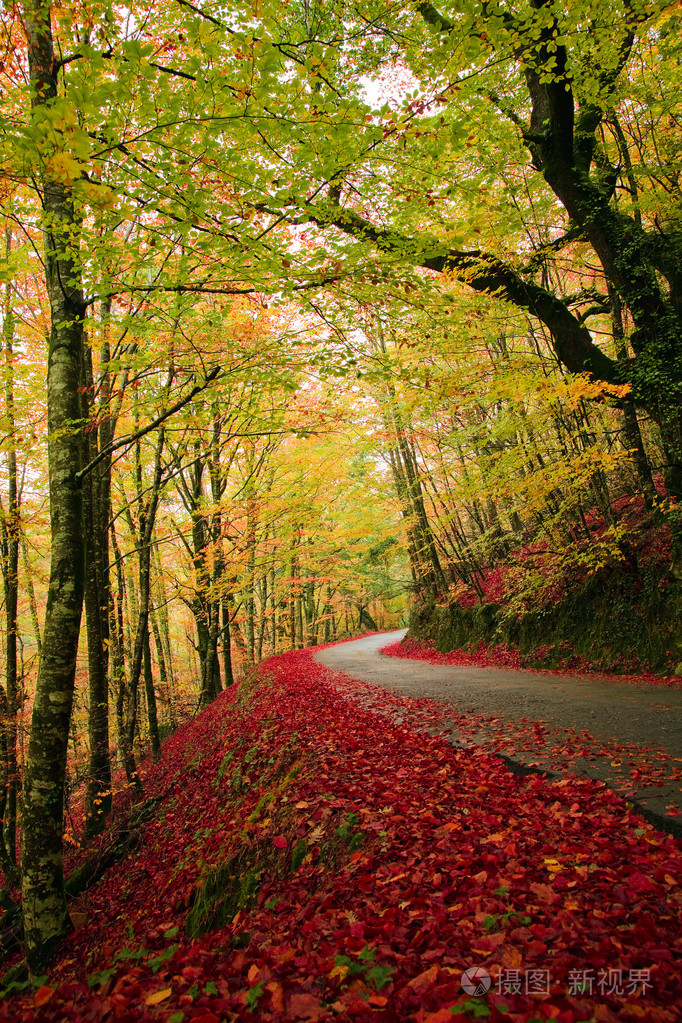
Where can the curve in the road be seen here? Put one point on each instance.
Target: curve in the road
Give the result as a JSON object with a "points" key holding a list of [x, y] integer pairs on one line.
{"points": [[623, 713]]}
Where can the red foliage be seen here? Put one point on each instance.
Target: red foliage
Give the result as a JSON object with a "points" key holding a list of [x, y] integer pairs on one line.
{"points": [[488, 655], [648, 544], [485, 655], [420, 861]]}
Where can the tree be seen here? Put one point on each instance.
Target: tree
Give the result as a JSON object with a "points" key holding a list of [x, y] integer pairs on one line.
{"points": [[44, 904], [564, 87]]}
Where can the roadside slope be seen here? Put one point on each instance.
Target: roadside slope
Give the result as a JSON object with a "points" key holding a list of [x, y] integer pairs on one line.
{"points": [[311, 860], [626, 733]]}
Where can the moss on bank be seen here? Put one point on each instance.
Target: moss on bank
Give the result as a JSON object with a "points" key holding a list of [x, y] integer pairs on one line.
{"points": [[616, 622]]}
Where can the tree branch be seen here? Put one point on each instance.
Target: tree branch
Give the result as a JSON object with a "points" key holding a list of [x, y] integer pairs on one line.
{"points": [[132, 437], [486, 273]]}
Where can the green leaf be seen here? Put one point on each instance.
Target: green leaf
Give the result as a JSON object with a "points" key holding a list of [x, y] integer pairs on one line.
{"points": [[379, 976], [157, 962], [254, 995], [128, 954], [101, 977]]}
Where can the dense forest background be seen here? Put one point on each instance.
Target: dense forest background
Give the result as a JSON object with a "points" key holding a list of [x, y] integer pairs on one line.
{"points": [[310, 315]]}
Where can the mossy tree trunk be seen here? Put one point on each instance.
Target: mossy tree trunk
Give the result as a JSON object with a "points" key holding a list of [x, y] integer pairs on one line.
{"points": [[43, 899]]}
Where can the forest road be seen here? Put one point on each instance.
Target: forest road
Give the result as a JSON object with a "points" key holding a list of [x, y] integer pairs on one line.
{"points": [[627, 734]]}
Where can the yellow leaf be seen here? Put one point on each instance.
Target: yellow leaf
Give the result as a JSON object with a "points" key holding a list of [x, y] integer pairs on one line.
{"points": [[553, 865], [159, 996], [64, 167]]}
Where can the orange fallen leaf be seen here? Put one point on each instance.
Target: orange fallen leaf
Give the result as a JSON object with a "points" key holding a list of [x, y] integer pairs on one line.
{"points": [[277, 995], [424, 980], [394, 877], [42, 996]]}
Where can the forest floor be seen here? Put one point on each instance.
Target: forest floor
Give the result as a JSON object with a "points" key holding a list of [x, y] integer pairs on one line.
{"points": [[317, 853], [624, 732]]}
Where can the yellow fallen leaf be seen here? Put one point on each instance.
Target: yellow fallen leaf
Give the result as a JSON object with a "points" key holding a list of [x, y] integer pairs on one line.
{"points": [[553, 865], [159, 996]]}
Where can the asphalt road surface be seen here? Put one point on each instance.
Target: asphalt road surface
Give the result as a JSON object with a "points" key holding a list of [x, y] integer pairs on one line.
{"points": [[630, 733]]}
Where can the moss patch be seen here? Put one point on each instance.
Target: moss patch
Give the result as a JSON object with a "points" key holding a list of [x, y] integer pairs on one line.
{"points": [[617, 622]]}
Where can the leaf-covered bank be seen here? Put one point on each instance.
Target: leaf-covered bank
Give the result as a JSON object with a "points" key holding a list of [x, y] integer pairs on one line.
{"points": [[312, 860], [623, 620]]}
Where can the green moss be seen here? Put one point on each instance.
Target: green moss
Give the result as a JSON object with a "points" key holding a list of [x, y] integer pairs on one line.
{"points": [[619, 622], [223, 893], [298, 854]]}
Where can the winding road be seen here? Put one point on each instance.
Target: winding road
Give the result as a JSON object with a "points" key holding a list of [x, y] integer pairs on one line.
{"points": [[626, 734]]}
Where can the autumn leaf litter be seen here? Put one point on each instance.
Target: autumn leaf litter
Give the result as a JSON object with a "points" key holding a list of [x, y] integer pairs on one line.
{"points": [[311, 859]]}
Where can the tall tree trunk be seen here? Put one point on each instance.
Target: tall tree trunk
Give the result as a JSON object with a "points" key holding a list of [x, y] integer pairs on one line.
{"points": [[310, 613], [43, 899], [28, 575], [97, 597], [292, 601], [164, 628], [262, 621], [250, 580], [10, 574], [633, 434], [273, 623], [117, 630], [227, 645], [164, 682], [146, 529], [98, 789], [97, 513], [300, 641], [152, 714], [328, 615], [6, 862]]}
